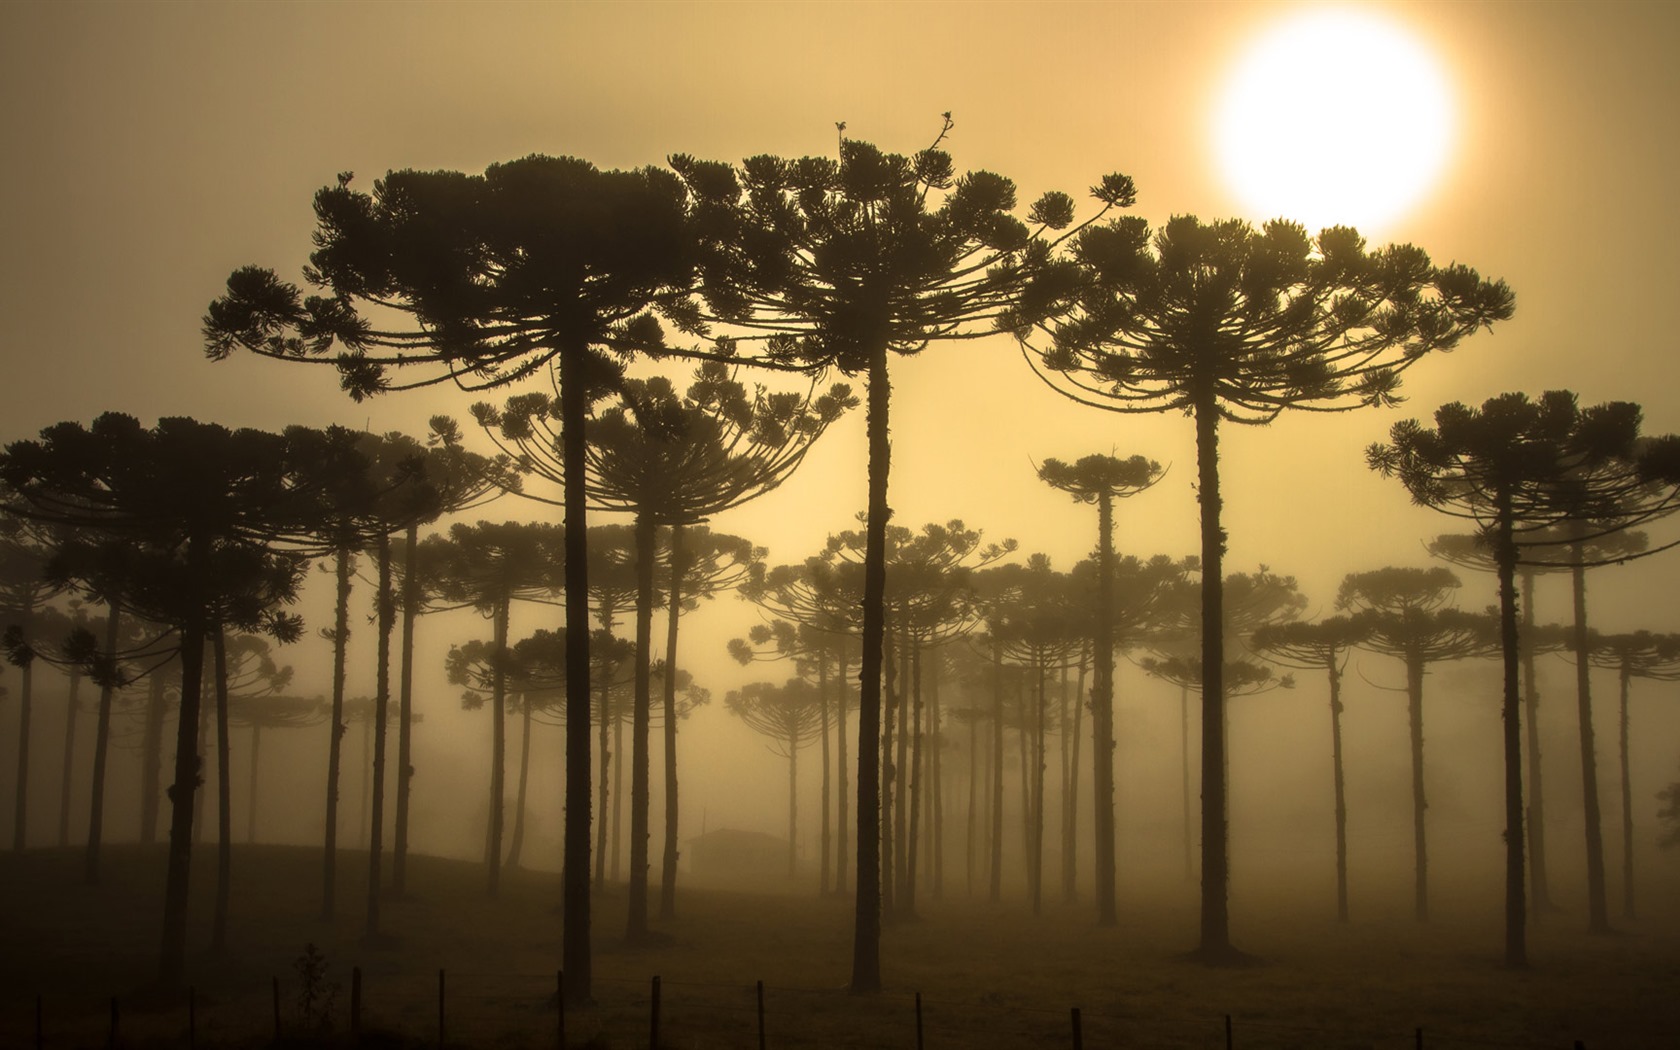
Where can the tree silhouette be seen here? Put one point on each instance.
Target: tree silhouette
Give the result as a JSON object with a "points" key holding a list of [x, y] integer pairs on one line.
{"points": [[539, 262], [459, 480], [671, 461], [270, 711], [1102, 480], [1501, 466], [841, 263], [1471, 550], [206, 500], [1225, 322], [1310, 646], [1639, 654], [488, 566], [24, 588], [1403, 613], [789, 715]]}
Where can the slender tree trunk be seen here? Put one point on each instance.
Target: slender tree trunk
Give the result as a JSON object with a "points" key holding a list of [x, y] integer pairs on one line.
{"points": [[224, 797], [101, 746], [251, 795], [995, 887], [1102, 716], [26, 703], [889, 781], [973, 793], [1341, 793], [1598, 908], [1039, 766], [636, 926], [1516, 909], [341, 641], [907, 906], [72, 708], [1541, 894], [1071, 877], [866, 940], [608, 721], [385, 605], [367, 773], [793, 802], [576, 958], [151, 757], [405, 710], [936, 776], [516, 844], [206, 706], [498, 743], [1216, 918], [1184, 776], [188, 778], [668, 867], [1420, 843], [827, 831], [1627, 802], [615, 852], [903, 698], [844, 787]]}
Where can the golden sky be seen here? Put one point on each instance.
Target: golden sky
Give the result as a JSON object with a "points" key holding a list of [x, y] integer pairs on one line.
{"points": [[151, 148]]}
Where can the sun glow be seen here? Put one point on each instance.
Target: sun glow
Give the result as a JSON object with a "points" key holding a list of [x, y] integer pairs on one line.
{"points": [[1334, 117]]}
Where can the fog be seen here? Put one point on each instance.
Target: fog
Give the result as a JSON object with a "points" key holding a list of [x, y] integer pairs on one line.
{"points": [[154, 148]]}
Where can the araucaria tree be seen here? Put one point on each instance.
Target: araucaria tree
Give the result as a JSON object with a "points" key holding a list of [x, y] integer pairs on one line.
{"points": [[1228, 323], [1101, 480], [1323, 644], [538, 261], [1405, 614], [1501, 466], [843, 263], [203, 503], [671, 460]]}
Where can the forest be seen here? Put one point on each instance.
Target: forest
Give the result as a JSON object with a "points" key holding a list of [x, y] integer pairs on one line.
{"points": [[637, 354]]}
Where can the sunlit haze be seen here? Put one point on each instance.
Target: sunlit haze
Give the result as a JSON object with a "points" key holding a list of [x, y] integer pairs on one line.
{"points": [[152, 148]]}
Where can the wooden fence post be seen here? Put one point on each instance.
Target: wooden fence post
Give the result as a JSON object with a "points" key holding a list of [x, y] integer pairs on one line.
{"points": [[560, 1008], [761, 1045], [276, 1007], [1078, 1036], [1229, 1044], [918, 1021], [38, 1033], [440, 1009], [1420, 1039], [192, 1017], [111, 1039]]}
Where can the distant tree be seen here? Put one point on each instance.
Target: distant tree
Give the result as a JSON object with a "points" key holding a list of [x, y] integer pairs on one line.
{"points": [[1227, 323], [790, 715], [460, 481], [842, 263], [1101, 480], [1403, 613], [24, 590], [671, 461], [1472, 550], [540, 262], [1311, 646], [488, 566], [1500, 466], [270, 710], [1639, 654], [205, 501]]}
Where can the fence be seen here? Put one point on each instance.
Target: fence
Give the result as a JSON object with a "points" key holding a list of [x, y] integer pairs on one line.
{"points": [[459, 1011]]}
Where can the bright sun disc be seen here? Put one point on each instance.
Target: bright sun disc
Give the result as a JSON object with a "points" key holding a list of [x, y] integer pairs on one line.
{"points": [[1334, 117]]}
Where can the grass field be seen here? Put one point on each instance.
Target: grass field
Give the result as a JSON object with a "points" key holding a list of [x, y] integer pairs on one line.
{"points": [[988, 976]]}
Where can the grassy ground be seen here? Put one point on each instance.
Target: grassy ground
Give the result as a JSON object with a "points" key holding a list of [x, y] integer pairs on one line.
{"points": [[988, 976]]}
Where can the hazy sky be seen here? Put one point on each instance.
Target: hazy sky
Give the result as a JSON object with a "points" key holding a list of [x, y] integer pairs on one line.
{"points": [[151, 148]]}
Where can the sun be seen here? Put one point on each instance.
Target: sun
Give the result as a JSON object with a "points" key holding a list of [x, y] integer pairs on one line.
{"points": [[1334, 117]]}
